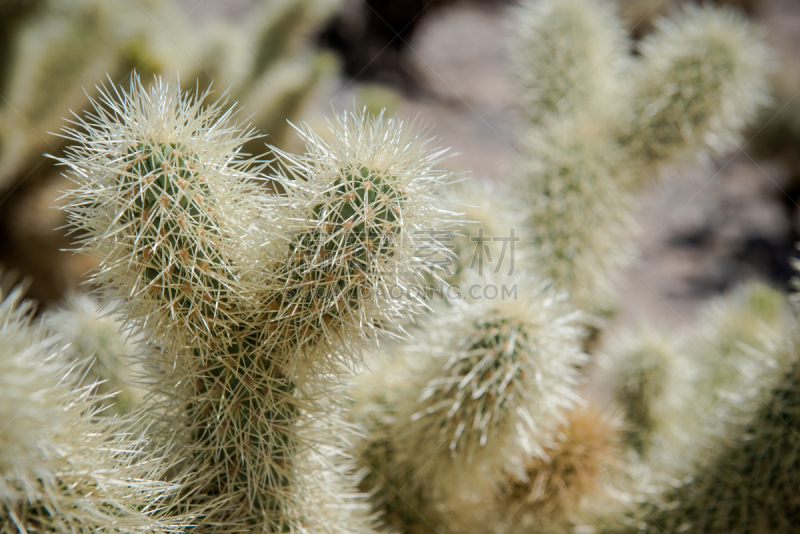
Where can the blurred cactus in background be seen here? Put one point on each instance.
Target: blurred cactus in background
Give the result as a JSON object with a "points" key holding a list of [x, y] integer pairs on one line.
{"points": [[700, 78], [651, 382], [64, 465], [62, 48], [568, 56], [680, 393], [353, 339], [579, 213], [742, 476], [96, 337]]}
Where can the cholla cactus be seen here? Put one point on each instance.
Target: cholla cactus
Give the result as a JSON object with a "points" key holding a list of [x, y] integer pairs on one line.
{"points": [[568, 55], [579, 215], [254, 307], [483, 383], [357, 219], [247, 297], [488, 241], [749, 483], [160, 173], [700, 79], [731, 472], [94, 336], [64, 467], [53, 56], [577, 480], [750, 319], [652, 382]]}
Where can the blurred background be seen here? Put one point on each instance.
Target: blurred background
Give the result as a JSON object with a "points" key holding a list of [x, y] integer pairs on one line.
{"points": [[441, 61]]}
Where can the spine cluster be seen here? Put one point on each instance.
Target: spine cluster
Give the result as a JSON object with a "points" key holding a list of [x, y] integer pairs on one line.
{"points": [[244, 338]]}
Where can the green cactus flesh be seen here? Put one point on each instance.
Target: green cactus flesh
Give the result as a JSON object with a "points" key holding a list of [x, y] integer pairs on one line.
{"points": [[167, 191], [326, 276], [226, 413]]}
